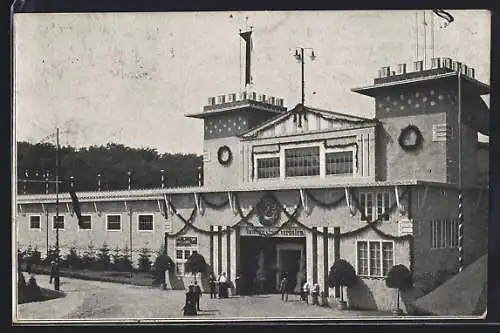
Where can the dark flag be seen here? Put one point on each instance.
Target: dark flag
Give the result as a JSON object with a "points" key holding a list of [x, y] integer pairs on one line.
{"points": [[248, 40], [76, 204], [444, 15]]}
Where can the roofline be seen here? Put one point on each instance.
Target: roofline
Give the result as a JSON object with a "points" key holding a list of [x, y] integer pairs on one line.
{"points": [[159, 193], [483, 88], [258, 106]]}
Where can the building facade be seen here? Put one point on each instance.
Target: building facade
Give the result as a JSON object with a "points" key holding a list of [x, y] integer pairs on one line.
{"points": [[295, 190]]}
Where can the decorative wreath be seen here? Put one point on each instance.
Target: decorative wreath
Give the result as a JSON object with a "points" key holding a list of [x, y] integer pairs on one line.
{"points": [[405, 136], [268, 211], [224, 160]]}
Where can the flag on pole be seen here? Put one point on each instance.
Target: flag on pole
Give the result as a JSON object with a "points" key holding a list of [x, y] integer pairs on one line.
{"points": [[444, 15], [76, 203], [247, 37]]}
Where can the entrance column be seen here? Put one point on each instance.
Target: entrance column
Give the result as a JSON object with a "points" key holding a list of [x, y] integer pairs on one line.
{"points": [[319, 258], [215, 241], [233, 254], [309, 256], [331, 254], [224, 253]]}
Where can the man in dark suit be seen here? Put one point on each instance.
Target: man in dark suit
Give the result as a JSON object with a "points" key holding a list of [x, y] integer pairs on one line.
{"points": [[197, 295]]}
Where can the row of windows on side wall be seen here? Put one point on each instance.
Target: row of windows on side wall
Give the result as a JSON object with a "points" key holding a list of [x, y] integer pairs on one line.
{"points": [[306, 162], [113, 222]]}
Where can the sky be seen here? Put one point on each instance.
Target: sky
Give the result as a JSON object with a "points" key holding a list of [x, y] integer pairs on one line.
{"points": [[131, 78]]}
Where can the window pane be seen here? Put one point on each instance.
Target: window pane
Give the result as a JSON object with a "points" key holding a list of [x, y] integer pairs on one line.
{"points": [[438, 234], [362, 202], [369, 206], [375, 259], [85, 223], [446, 233], [387, 257], [339, 162], [302, 161], [35, 222], [114, 222], [60, 222], [362, 258], [178, 254], [268, 167], [145, 222], [187, 254]]}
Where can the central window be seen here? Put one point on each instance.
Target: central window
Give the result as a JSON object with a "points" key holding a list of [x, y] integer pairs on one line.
{"points": [[58, 222], [145, 223], [268, 167], [373, 209], [114, 222], [35, 221], [85, 223], [339, 163], [302, 161], [375, 258]]}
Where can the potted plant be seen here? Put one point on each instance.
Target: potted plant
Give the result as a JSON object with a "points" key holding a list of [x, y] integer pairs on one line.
{"points": [[195, 264], [341, 274], [162, 265], [399, 277]]}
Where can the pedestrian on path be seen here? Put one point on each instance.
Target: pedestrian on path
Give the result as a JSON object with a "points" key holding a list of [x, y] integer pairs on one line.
{"points": [[52, 271], [189, 305], [284, 287], [305, 292], [197, 295], [315, 294], [211, 285], [223, 286]]}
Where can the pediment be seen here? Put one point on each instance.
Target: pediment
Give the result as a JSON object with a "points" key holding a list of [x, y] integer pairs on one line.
{"points": [[313, 120]]}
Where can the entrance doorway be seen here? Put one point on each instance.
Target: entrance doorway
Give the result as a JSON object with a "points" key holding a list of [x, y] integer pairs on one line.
{"points": [[263, 260]]}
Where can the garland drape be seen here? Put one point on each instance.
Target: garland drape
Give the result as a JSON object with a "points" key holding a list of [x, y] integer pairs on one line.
{"points": [[291, 219]]}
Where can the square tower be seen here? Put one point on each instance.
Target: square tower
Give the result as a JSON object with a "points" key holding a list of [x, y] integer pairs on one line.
{"points": [[225, 117], [418, 112]]}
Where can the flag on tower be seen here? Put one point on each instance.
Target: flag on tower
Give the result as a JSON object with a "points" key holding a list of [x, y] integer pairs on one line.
{"points": [[76, 203], [444, 15], [247, 37]]}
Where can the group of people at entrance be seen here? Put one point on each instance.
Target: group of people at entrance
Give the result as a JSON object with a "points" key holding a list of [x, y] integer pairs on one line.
{"points": [[306, 291], [218, 287]]}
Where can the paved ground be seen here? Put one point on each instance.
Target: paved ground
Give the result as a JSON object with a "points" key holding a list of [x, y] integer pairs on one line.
{"points": [[104, 300]]}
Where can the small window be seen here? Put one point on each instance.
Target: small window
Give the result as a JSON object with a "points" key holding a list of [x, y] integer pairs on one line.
{"points": [[86, 222], [339, 163], [145, 222], [302, 161], [60, 222], [187, 254], [268, 167], [178, 254], [114, 222], [35, 222]]}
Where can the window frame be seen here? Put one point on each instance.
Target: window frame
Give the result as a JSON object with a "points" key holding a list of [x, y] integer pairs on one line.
{"points": [[369, 259], [39, 222], [152, 222], [107, 221], [375, 205], [352, 150], [448, 233], [191, 248], [259, 156], [54, 219], [89, 229], [298, 147]]}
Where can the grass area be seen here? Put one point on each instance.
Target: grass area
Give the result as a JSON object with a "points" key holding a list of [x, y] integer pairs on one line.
{"points": [[135, 278]]}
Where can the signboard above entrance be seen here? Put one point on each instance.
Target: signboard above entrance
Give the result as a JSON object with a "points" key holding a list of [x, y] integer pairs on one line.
{"points": [[272, 231]]}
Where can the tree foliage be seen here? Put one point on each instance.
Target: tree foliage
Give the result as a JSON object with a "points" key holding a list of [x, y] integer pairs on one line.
{"points": [[399, 277], [111, 161], [341, 273], [195, 264]]}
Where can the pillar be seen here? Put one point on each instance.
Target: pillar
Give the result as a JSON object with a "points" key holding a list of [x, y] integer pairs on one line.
{"points": [[215, 255], [319, 258], [331, 254], [309, 257]]}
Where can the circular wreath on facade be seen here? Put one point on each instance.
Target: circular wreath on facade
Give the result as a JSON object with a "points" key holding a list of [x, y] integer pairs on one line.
{"points": [[410, 138], [268, 211], [224, 155]]}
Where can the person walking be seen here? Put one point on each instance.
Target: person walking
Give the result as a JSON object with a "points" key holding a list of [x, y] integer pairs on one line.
{"points": [[223, 286], [315, 294], [197, 295], [52, 271], [211, 285], [305, 292], [189, 305], [284, 288]]}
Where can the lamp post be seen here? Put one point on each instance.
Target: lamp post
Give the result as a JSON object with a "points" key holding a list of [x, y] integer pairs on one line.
{"points": [[299, 56], [56, 278]]}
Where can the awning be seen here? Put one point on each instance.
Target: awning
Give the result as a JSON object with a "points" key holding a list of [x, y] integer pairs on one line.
{"points": [[462, 295]]}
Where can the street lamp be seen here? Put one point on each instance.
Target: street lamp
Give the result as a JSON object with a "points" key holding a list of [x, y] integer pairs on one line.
{"points": [[299, 56]]}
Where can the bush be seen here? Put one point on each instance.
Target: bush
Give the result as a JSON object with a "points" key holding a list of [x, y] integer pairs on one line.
{"points": [[103, 258], [73, 260], [162, 263], [144, 261], [399, 277], [342, 274], [195, 264], [36, 257], [88, 257], [124, 263], [51, 256]]}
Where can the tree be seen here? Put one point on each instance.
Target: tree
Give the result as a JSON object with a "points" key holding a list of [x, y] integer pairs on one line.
{"points": [[162, 263], [144, 261], [341, 274], [103, 257], [399, 277], [195, 264]]}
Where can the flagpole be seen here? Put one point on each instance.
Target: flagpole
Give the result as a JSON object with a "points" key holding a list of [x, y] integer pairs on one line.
{"points": [[56, 278], [416, 26], [460, 189], [425, 42]]}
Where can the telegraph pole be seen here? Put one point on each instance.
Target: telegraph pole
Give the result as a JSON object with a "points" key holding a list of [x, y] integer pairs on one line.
{"points": [[56, 278]]}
